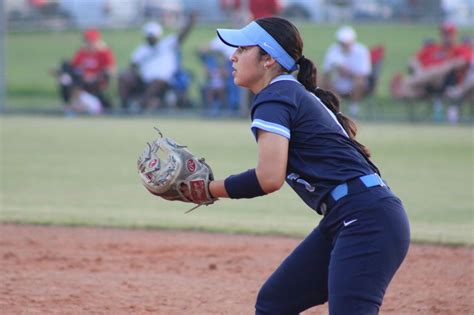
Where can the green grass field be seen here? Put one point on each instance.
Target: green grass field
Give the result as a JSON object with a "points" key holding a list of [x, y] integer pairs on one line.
{"points": [[30, 55], [83, 171]]}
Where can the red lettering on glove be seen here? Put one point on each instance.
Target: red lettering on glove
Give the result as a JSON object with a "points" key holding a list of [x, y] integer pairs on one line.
{"points": [[198, 190]]}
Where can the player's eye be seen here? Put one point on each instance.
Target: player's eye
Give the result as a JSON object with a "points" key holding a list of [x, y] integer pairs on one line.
{"points": [[241, 49]]}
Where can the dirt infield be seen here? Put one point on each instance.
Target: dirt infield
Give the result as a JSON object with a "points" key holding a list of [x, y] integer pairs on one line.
{"points": [[63, 270]]}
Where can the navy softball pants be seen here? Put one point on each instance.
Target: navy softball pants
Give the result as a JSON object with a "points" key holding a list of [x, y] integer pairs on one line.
{"points": [[348, 260]]}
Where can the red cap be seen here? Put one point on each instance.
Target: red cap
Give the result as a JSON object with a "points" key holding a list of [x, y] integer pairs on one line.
{"points": [[448, 28], [91, 35]]}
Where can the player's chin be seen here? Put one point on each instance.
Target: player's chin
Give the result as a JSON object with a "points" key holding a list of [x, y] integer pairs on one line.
{"points": [[238, 80]]}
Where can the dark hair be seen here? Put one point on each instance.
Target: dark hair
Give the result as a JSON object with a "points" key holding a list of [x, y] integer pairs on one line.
{"points": [[288, 36]]}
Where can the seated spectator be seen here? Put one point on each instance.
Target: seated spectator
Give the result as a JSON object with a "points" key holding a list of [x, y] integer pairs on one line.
{"points": [[153, 67], [89, 70], [347, 67], [463, 90], [213, 90], [434, 68], [83, 102], [219, 90]]}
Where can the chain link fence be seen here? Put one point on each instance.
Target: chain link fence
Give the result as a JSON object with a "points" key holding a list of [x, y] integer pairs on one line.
{"points": [[66, 14]]}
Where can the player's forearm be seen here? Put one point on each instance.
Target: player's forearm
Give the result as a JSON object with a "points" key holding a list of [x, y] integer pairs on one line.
{"points": [[244, 188], [217, 189], [238, 186]]}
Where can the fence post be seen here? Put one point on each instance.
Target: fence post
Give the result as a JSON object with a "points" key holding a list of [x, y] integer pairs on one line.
{"points": [[2, 56]]}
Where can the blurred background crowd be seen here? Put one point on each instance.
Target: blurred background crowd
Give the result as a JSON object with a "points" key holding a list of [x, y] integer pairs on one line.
{"points": [[153, 76]]}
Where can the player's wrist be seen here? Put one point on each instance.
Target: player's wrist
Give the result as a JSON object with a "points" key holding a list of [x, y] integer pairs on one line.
{"points": [[243, 185], [217, 189], [210, 190]]}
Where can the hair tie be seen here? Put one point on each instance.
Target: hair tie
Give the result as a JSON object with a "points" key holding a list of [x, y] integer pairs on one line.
{"points": [[338, 113], [300, 59]]}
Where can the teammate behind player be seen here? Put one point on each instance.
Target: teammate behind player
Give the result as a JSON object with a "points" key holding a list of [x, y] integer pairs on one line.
{"points": [[303, 138]]}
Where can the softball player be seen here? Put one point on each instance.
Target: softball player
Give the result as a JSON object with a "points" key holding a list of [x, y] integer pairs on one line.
{"points": [[303, 138]]}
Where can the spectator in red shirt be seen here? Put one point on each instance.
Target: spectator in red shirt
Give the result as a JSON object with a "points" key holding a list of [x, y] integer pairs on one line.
{"points": [[434, 67], [257, 8], [89, 70], [263, 8]]}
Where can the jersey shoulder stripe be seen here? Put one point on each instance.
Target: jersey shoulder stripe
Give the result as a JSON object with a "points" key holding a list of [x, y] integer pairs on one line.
{"points": [[271, 127]]}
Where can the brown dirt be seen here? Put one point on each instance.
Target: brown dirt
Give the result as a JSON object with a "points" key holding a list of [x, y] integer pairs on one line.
{"points": [[52, 270]]}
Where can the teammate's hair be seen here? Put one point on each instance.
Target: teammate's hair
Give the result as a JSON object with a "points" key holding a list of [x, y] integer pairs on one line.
{"points": [[288, 36]]}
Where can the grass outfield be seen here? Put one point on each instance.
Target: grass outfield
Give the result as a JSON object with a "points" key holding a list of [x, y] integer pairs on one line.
{"points": [[83, 172]]}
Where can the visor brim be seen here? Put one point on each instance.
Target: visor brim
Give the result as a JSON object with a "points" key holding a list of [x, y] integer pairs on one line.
{"points": [[234, 38]]}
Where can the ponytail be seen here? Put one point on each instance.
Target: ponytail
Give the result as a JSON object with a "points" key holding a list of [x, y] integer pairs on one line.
{"points": [[307, 75]]}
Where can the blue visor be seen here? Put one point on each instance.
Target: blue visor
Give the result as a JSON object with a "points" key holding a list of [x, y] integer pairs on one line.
{"points": [[254, 35]]}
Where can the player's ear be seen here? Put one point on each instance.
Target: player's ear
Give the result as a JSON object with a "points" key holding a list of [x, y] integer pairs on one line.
{"points": [[268, 61]]}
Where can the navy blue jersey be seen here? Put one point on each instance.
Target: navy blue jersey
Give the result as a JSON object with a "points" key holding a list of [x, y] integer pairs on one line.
{"points": [[321, 155]]}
